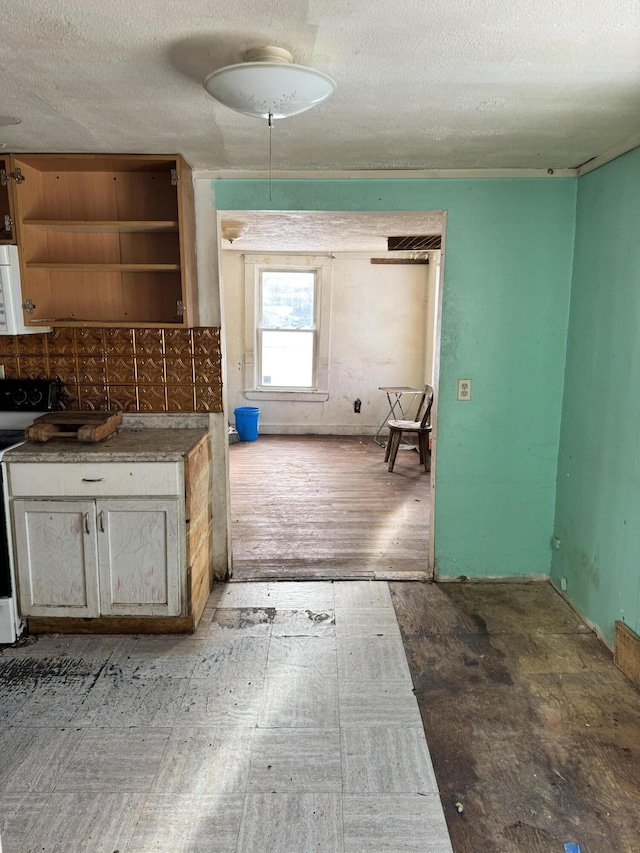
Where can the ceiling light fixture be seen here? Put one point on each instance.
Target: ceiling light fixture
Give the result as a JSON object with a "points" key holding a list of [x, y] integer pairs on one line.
{"points": [[233, 231], [269, 85]]}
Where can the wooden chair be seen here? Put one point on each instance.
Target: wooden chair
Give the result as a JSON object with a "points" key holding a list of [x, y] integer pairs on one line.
{"points": [[421, 427]]}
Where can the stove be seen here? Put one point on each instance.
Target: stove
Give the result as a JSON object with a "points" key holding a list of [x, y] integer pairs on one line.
{"points": [[21, 400]]}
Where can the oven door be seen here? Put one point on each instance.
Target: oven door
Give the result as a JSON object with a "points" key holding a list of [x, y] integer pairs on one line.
{"points": [[10, 624]]}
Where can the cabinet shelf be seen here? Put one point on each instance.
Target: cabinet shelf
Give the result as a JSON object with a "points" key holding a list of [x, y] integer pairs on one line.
{"points": [[79, 226], [106, 239], [104, 267]]}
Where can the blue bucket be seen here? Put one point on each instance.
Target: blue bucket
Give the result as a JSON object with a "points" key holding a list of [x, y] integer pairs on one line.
{"points": [[247, 422]]}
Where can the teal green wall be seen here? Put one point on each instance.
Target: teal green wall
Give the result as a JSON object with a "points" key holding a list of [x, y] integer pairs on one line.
{"points": [[506, 297], [598, 496]]}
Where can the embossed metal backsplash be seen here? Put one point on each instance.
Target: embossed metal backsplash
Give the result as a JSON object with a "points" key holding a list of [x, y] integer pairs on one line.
{"points": [[134, 370]]}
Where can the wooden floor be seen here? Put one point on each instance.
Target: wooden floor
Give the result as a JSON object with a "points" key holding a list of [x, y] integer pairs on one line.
{"points": [[325, 507], [531, 727]]}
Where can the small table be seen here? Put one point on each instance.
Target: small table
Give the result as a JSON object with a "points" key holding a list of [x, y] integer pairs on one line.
{"points": [[394, 396]]}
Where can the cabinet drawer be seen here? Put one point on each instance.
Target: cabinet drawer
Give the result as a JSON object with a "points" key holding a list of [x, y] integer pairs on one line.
{"points": [[79, 479]]}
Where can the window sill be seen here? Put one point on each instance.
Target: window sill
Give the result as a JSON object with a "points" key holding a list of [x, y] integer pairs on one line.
{"points": [[289, 396]]}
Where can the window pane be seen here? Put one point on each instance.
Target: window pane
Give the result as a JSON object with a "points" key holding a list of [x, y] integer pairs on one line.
{"points": [[287, 300], [287, 359]]}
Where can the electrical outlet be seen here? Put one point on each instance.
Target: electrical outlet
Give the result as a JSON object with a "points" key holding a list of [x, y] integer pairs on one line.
{"points": [[464, 389], [1, 371]]}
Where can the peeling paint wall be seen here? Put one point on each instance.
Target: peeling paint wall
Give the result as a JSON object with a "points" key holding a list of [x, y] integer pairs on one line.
{"points": [[507, 277], [381, 321], [598, 496]]}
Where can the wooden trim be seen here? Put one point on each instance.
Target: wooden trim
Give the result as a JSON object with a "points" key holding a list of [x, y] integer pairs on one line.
{"points": [[626, 652], [187, 226], [37, 265], [113, 625], [197, 476], [101, 324], [608, 155], [96, 162], [380, 174], [103, 226]]}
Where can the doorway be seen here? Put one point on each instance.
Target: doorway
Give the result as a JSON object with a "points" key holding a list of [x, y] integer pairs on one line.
{"points": [[312, 498]]}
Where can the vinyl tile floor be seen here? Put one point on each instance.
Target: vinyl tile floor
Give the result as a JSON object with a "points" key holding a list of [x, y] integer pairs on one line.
{"points": [[287, 724]]}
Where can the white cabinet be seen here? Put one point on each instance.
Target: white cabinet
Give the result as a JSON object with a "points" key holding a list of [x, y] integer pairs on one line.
{"points": [[57, 565], [89, 556], [138, 557]]}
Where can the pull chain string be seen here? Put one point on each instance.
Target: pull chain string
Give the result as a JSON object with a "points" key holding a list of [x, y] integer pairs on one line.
{"points": [[270, 129]]}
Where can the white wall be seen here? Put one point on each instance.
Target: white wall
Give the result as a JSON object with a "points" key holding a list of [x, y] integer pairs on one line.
{"points": [[211, 313], [382, 320]]}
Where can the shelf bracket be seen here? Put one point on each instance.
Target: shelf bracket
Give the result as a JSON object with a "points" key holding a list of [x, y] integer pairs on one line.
{"points": [[28, 306], [175, 177]]}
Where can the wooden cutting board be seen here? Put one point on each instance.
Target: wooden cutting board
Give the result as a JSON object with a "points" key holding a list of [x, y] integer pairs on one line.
{"points": [[77, 426]]}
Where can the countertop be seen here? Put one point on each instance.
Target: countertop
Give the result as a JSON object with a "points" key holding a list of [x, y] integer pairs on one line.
{"points": [[127, 445]]}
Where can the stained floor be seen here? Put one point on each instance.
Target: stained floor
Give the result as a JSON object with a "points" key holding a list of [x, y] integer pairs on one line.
{"points": [[326, 507], [530, 725], [287, 723]]}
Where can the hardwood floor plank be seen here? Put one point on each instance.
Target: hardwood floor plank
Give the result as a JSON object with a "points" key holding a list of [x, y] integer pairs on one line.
{"points": [[326, 507]]}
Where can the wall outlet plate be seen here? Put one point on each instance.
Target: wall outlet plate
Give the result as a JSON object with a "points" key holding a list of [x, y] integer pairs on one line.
{"points": [[464, 389]]}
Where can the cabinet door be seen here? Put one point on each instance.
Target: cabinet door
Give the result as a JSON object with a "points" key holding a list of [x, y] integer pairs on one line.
{"points": [[56, 557], [139, 557], [7, 219]]}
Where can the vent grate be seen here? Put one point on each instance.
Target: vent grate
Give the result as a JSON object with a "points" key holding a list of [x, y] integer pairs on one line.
{"points": [[414, 243]]}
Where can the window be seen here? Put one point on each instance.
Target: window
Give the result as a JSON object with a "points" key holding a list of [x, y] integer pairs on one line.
{"points": [[287, 329], [286, 338]]}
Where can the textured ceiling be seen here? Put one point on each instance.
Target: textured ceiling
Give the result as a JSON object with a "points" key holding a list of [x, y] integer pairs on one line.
{"points": [[449, 84], [306, 231]]}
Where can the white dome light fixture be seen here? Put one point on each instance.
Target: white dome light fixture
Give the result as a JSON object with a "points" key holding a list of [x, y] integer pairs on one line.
{"points": [[269, 85], [232, 230]]}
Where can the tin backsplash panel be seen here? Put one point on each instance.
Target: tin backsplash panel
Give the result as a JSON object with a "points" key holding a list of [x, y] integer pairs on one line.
{"points": [[133, 370]]}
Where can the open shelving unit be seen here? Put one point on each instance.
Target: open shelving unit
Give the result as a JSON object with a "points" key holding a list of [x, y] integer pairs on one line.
{"points": [[105, 240]]}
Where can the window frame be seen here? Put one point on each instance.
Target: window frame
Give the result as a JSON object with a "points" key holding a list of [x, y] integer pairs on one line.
{"points": [[260, 329], [255, 265]]}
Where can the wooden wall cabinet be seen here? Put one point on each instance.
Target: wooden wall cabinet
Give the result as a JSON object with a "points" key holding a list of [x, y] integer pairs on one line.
{"points": [[105, 240]]}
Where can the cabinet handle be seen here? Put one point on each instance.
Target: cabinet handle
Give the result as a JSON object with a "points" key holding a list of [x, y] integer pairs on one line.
{"points": [[101, 520], [92, 479], [86, 522]]}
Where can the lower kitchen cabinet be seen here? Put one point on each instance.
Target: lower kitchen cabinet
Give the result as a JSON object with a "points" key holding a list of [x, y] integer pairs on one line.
{"points": [[113, 539], [98, 558], [139, 557], [57, 557]]}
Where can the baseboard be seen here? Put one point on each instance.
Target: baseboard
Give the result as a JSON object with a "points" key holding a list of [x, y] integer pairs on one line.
{"points": [[591, 625], [491, 579], [364, 431], [626, 652], [422, 577], [111, 625]]}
